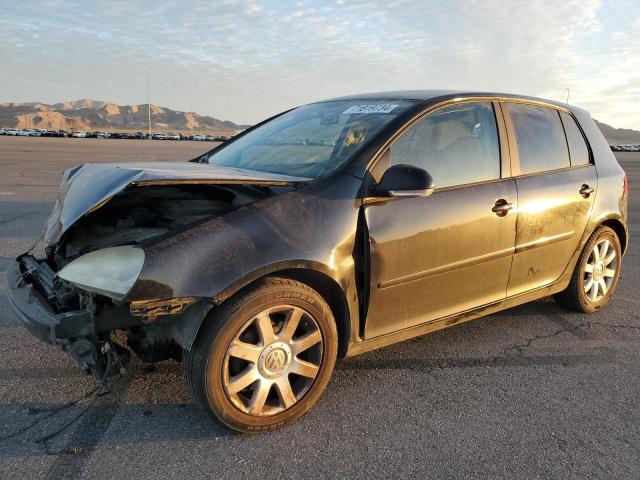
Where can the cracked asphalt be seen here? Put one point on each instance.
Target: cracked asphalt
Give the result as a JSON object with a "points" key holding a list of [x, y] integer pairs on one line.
{"points": [[531, 392]]}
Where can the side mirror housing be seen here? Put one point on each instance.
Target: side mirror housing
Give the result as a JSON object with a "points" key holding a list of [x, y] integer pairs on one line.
{"points": [[404, 181]]}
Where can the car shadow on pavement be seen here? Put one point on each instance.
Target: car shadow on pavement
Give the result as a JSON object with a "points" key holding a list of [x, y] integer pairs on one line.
{"points": [[94, 417]]}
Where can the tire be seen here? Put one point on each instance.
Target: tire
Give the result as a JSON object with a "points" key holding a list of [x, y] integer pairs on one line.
{"points": [[578, 296], [235, 345]]}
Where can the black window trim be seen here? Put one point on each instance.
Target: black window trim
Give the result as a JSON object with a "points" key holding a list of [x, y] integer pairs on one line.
{"points": [[513, 145], [503, 145], [584, 138]]}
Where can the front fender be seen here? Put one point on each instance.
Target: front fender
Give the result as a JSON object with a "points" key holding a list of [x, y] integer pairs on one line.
{"points": [[273, 268], [313, 227]]}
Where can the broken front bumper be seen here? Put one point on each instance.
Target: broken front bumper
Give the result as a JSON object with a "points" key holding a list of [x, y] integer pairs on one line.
{"points": [[33, 310]]}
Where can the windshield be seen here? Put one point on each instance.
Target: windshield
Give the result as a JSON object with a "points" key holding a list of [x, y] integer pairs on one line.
{"points": [[312, 140]]}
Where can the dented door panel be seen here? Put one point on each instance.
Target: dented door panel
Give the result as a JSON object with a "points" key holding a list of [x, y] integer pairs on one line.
{"points": [[552, 217]]}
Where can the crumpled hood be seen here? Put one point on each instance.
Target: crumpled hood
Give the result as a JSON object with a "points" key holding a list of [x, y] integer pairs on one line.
{"points": [[87, 187]]}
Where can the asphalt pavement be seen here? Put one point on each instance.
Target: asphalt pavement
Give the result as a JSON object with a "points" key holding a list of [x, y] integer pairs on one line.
{"points": [[532, 392]]}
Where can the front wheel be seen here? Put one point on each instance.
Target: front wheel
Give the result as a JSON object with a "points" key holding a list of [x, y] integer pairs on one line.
{"points": [[265, 357], [596, 274]]}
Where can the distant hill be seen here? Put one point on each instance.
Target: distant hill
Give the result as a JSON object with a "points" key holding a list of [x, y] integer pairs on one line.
{"points": [[88, 114], [619, 136]]}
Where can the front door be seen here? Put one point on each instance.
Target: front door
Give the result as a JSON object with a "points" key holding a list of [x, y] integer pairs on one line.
{"points": [[450, 252]]}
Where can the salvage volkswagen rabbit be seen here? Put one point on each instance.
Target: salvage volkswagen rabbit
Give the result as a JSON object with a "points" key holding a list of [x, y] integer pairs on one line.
{"points": [[326, 231]]}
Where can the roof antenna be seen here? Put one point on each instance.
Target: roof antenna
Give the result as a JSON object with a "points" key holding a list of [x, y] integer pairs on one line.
{"points": [[568, 90]]}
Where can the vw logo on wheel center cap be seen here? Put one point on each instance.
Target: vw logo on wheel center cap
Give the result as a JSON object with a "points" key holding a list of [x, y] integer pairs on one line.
{"points": [[274, 359], [598, 271]]}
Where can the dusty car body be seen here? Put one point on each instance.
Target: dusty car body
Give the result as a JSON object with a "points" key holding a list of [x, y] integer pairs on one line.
{"points": [[390, 264]]}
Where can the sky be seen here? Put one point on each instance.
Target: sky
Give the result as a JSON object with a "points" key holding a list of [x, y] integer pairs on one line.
{"points": [[245, 61]]}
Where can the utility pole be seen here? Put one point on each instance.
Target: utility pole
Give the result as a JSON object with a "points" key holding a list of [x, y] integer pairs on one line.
{"points": [[149, 104], [568, 90], [191, 112]]}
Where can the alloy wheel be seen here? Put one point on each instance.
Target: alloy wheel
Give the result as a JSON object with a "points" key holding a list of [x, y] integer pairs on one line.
{"points": [[272, 361], [600, 270]]}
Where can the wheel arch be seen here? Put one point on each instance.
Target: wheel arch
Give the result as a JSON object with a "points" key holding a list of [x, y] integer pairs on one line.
{"points": [[313, 274], [613, 220], [333, 294], [617, 226]]}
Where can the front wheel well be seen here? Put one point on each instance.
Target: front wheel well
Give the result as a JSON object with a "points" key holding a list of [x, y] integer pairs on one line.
{"points": [[322, 283], [618, 227], [332, 293]]}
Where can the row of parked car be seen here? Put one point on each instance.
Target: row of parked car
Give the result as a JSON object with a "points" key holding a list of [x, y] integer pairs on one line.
{"points": [[36, 132], [625, 148]]}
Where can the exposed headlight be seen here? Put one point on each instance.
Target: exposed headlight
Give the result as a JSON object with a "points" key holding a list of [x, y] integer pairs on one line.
{"points": [[110, 271]]}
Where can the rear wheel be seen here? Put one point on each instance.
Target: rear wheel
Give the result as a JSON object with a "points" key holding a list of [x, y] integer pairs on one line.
{"points": [[265, 357], [596, 274]]}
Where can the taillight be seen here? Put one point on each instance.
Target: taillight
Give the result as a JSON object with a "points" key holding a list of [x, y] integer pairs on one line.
{"points": [[625, 188]]}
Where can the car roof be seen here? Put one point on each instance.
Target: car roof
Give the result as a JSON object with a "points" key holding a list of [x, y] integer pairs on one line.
{"points": [[436, 96]]}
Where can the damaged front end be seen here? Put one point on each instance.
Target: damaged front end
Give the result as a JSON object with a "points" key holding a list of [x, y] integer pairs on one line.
{"points": [[57, 313], [75, 297]]}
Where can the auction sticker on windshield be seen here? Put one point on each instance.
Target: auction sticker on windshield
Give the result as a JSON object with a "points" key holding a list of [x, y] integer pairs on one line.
{"points": [[376, 108]]}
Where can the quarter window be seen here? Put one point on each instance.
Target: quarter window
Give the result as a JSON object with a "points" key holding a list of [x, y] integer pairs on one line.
{"points": [[542, 145], [456, 145], [578, 149]]}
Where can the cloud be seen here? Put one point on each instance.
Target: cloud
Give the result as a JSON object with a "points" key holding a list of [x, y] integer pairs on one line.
{"points": [[247, 60], [252, 9]]}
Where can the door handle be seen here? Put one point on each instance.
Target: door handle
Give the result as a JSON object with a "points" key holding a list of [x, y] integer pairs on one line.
{"points": [[502, 207], [586, 190]]}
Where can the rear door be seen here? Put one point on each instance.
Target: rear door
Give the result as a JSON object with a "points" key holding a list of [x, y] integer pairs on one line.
{"points": [[451, 251], [556, 183]]}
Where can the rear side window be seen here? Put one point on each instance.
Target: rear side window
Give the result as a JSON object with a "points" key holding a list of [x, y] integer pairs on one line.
{"points": [[578, 149], [456, 145], [542, 145]]}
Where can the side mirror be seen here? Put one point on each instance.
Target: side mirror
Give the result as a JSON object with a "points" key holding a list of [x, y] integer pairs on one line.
{"points": [[404, 181]]}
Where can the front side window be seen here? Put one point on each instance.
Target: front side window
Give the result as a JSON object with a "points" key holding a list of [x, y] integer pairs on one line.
{"points": [[456, 145], [312, 140], [542, 145], [578, 149]]}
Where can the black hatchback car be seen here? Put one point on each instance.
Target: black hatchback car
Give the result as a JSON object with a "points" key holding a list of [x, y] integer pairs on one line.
{"points": [[326, 231]]}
